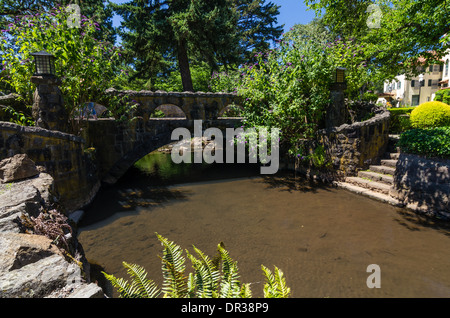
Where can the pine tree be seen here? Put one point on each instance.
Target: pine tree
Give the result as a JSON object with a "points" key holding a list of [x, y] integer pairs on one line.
{"points": [[161, 35]]}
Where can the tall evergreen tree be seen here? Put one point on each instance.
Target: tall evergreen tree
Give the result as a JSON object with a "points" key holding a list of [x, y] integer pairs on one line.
{"points": [[257, 25], [158, 34]]}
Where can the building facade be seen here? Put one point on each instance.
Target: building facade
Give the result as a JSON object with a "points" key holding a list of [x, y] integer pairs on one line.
{"points": [[414, 91]]}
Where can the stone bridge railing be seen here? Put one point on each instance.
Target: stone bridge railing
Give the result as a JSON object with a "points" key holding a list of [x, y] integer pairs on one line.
{"points": [[195, 105]]}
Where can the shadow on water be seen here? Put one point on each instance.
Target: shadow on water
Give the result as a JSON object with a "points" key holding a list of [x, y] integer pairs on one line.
{"points": [[291, 182], [414, 221], [150, 183]]}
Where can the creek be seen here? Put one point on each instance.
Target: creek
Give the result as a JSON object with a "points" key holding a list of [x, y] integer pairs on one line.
{"points": [[321, 237]]}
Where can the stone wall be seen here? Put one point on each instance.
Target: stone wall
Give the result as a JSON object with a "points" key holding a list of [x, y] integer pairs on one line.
{"points": [[354, 147], [424, 182], [59, 154]]}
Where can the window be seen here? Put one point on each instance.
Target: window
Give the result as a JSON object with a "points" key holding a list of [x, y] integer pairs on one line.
{"points": [[415, 100], [399, 85], [431, 68], [429, 82], [422, 83], [446, 67], [413, 82]]}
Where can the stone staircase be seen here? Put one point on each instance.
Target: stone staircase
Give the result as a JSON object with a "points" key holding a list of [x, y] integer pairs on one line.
{"points": [[377, 181]]}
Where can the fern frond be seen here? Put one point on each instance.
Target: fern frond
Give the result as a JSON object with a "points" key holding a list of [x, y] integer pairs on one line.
{"points": [[175, 285], [123, 287], [245, 292], [146, 288], [230, 284], [275, 286], [207, 275]]}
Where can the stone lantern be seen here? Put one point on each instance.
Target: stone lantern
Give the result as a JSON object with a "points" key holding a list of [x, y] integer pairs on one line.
{"points": [[48, 105], [336, 113]]}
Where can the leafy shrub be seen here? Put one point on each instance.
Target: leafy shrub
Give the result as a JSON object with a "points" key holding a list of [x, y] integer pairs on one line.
{"points": [[212, 278], [430, 115], [87, 66], [443, 95], [399, 121], [433, 142]]}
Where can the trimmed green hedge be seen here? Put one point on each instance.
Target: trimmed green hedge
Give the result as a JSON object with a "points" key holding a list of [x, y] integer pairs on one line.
{"points": [[430, 115], [432, 142], [402, 110]]}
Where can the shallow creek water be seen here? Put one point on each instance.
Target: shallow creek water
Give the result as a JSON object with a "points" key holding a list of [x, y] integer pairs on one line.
{"points": [[322, 238]]}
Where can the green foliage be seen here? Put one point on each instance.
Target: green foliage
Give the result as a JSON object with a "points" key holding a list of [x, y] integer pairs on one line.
{"points": [[216, 277], [214, 34], [86, 65], [443, 95], [406, 30], [430, 115], [276, 284], [402, 110], [157, 114], [285, 86], [432, 142], [140, 287], [399, 121]]}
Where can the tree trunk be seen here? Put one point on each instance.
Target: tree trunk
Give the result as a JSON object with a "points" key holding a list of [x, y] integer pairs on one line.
{"points": [[183, 62]]}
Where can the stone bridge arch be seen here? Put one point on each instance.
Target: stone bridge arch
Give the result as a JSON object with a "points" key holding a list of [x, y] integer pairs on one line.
{"points": [[119, 145], [171, 111]]}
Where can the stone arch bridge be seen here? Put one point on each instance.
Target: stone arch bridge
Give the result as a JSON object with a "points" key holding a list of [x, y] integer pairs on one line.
{"points": [[118, 145], [107, 148]]}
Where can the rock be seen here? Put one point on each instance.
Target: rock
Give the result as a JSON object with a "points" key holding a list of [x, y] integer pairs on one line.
{"points": [[16, 168], [31, 266], [27, 197]]}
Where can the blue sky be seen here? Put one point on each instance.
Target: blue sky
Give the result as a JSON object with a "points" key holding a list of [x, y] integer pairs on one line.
{"points": [[291, 12]]}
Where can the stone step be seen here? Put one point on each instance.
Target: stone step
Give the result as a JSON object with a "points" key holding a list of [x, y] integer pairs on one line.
{"points": [[376, 186], [369, 193], [389, 162], [382, 169], [374, 176]]}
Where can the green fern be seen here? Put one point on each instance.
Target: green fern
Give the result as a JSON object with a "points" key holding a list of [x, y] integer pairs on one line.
{"points": [[175, 281], [206, 275], [275, 286], [216, 277], [141, 287]]}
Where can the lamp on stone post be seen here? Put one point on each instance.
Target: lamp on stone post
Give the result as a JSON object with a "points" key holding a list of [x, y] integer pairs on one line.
{"points": [[48, 105], [336, 113]]}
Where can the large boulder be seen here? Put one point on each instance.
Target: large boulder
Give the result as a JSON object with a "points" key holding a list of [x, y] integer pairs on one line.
{"points": [[18, 167], [31, 266], [24, 198]]}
